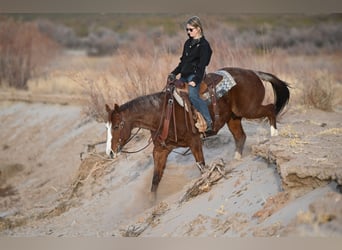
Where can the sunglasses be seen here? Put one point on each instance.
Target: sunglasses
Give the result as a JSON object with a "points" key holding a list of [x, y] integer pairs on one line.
{"points": [[189, 29]]}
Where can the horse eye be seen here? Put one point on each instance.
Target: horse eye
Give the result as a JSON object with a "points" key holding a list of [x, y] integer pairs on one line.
{"points": [[116, 127]]}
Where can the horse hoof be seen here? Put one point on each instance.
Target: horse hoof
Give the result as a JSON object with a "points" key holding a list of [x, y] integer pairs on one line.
{"points": [[152, 197], [237, 156], [274, 131]]}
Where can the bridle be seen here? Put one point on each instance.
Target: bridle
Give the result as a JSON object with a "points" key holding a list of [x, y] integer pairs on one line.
{"points": [[120, 126]]}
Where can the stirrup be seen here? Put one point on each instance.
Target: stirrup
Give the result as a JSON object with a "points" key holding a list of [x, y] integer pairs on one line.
{"points": [[209, 133]]}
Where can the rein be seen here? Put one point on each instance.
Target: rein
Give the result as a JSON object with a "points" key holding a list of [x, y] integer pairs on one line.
{"points": [[136, 151]]}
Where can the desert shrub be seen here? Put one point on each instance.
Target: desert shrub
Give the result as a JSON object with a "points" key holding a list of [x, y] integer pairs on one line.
{"points": [[23, 49], [102, 41], [319, 94], [133, 73], [60, 33], [307, 40], [98, 93]]}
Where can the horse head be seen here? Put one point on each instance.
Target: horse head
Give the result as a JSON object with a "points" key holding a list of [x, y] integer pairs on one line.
{"points": [[118, 131]]}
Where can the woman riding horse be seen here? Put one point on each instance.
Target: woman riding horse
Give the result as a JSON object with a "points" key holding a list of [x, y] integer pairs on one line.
{"points": [[195, 57]]}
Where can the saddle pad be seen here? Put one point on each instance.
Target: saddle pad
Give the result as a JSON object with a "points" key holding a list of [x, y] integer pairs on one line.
{"points": [[224, 85], [179, 99]]}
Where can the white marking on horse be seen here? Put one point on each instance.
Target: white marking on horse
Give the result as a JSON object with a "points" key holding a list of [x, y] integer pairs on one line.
{"points": [[274, 131], [237, 156], [269, 94], [109, 138]]}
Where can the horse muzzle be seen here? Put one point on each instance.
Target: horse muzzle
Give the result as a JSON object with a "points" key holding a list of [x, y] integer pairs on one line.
{"points": [[113, 154]]}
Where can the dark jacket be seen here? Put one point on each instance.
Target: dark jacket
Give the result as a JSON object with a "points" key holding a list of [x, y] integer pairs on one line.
{"points": [[195, 57]]}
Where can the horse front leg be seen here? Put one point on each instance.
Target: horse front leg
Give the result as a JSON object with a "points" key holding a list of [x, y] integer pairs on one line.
{"points": [[235, 127], [160, 155], [197, 151]]}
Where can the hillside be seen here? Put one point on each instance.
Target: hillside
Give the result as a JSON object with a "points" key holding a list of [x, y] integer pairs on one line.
{"points": [[53, 183]]}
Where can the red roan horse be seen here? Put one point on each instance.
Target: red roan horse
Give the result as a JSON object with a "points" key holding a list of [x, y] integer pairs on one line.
{"points": [[244, 100]]}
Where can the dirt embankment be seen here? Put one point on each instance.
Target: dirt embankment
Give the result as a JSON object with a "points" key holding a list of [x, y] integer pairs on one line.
{"points": [[50, 184]]}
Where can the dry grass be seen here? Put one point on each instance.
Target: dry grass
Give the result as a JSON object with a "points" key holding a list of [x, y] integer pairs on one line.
{"points": [[331, 131], [320, 97], [129, 74], [132, 75], [320, 94], [23, 50]]}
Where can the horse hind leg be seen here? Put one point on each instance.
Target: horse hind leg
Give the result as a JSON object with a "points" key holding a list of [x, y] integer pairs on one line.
{"points": [[274, 131], [269, 110], [235, 127]]}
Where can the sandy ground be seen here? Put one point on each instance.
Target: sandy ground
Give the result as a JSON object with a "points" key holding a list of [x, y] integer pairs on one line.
{"points": [[52, 183]]}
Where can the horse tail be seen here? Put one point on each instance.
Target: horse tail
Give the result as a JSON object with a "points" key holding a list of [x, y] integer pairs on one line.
{"points": [[280, 90]]}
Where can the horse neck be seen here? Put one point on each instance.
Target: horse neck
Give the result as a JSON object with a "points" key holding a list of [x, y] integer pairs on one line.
{"points": [[143, 112]]}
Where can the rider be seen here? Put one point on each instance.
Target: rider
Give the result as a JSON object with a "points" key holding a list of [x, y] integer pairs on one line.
{"points": [[195, 57]]}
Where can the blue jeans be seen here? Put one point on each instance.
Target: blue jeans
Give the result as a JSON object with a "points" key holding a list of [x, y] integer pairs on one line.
{"points": [[196, 100]]}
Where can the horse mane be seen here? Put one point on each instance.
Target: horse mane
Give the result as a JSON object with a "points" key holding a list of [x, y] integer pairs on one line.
{"points": [[150, 101]]}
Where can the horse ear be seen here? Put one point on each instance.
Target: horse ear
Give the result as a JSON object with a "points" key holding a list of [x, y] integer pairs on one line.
{"points": [[107, 108], [116, 107]]}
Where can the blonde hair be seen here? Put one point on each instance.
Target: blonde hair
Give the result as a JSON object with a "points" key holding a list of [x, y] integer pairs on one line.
{"points": [[195, 21]]}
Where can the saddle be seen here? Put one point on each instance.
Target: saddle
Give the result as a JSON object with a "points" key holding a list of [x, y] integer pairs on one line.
{"points": [[209, 83], [179, 90], [207, 90]]}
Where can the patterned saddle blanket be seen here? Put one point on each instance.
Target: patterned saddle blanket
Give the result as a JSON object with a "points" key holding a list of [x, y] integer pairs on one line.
{"points": [[221, 80]]}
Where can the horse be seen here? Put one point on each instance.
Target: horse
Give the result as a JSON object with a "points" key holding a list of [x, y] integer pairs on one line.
{"points": [[244, 100]]}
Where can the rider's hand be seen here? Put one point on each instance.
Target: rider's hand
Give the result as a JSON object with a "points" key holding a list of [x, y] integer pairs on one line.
{"points": [[192, 83]]}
